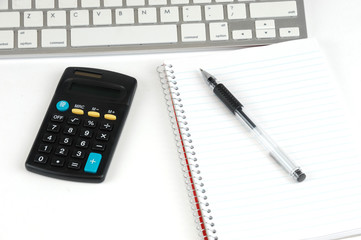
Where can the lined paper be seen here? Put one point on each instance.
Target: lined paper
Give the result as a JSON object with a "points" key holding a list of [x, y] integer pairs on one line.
{"points": [[287, 89]]}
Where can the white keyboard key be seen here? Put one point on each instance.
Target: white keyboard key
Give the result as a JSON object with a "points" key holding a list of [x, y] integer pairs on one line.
{"points": [[4, 5], [218, 31], [43, 4], [214, 12], [192, 13], [90, 3], [68, 3], [202, 1], [6, 39], [102, 17], [123, 35], [79, 17], [273, 9], [237, 11], [290, 32], [266, 33], [147, 15], [157, 2], [135, 2], [33, 19], [222, 1], [53, 38], [124, 16], [265, 24], [9, 19], [112, 3], [193, 32], [56, 18], [169, 14], [242, 34], [21, 4], [27, 39], [180, 1]]}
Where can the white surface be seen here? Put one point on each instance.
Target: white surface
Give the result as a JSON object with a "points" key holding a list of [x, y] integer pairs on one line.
{"points": [[143, 195]]}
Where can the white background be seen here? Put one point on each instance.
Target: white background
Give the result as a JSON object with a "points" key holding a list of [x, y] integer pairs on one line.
{"points": [[143, 196]]}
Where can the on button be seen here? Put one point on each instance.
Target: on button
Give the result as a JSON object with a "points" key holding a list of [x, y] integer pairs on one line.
{"points": [[62, 106]]}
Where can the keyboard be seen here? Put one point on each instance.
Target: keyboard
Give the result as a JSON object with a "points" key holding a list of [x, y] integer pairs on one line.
{"points": [[75, 27]]}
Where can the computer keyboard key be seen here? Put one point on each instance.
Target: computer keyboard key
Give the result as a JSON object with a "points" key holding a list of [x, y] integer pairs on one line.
{"points": [[135, 3], [6, 39], [236, 11], [79, 18], [124, 35], [193, 32], [21, 4], [290, 32], [90, 3], [218, 31], [273, 9], [44, 4], [53, 38], [9, 19], [33, 19], [27, 39], [68, 3], [4, 5]]}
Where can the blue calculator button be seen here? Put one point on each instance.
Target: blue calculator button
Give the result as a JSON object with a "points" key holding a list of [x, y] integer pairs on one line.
{"points": [[62, 106], [93, 162]]}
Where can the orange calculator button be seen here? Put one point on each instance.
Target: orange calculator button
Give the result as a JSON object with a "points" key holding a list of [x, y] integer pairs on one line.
{"points": [[110, 117]]}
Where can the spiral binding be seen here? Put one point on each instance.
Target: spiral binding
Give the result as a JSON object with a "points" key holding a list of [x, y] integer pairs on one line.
{"points": [[187, 154]]}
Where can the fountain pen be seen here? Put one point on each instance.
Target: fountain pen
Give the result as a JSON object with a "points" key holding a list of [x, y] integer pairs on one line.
{"points": [[237, 108]]}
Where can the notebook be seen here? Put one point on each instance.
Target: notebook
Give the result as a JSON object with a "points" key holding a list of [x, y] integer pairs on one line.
{"points": [[236, 190]]}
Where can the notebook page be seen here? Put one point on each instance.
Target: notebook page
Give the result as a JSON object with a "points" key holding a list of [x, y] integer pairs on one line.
{"points": [[286, 88]]}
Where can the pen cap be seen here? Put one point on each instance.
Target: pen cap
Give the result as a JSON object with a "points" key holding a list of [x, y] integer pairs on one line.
{"points": [[227, 98]]}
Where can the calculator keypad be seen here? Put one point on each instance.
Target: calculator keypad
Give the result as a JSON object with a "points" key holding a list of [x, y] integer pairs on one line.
{"points": [[74, 142]]}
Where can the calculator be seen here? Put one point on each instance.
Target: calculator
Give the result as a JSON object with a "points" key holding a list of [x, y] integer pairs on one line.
{"points": [[82, 125]]}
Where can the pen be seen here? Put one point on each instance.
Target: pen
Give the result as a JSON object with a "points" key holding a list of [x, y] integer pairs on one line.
{"points": [[237, 108]]}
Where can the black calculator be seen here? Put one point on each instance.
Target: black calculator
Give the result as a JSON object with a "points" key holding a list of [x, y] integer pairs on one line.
{"points": [[82, 125]]}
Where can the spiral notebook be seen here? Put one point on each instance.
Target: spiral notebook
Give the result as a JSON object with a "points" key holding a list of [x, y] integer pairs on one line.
{"points": [[236, 190]]}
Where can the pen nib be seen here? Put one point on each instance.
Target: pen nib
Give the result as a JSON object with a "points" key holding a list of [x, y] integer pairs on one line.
{"points": [[209, 78]]}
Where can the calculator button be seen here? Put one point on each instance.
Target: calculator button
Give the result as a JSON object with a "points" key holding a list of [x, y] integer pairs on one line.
{"points": [[45, 148], [69, 130], [57, 118], [66, 141], [98, 147], [62, 106], [90, 123], [106, 126], [74, 120], [103, 136], [49, 137], [93, 114], [82, 143], [86, 133], [110, 117], [77, 111], [52, 127], [40, 158], [57, 162], [61, 151], [93, 162], [78, 154], [74, 164]]}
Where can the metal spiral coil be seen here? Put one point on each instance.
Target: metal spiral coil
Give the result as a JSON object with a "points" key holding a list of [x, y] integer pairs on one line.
{"points": [[187, 154]]}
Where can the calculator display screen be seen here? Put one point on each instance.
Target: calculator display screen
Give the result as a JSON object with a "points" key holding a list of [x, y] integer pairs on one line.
{"points": [[95, 90]]}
